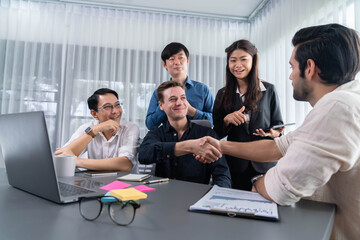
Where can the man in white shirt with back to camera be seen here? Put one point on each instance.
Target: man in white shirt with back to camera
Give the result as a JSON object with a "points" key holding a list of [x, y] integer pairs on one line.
{"points": [[320, 159], [109, 145]]}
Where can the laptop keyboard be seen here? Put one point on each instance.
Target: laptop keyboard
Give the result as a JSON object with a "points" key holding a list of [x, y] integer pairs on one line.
{"points": [[88, 183], [68, 190]]}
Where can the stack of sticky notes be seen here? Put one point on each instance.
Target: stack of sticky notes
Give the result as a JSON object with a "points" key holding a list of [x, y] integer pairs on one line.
{"points": [[128, 194]]}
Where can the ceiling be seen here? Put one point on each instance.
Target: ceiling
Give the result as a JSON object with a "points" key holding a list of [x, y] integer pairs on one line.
{"points": [[238, 9]]}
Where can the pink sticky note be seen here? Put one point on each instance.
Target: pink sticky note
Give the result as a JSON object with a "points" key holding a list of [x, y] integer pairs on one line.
{"points": [[143, 188], [115, 185]]}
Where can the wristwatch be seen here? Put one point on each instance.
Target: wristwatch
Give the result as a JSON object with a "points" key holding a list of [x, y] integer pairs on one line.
{"points": [[90, 132], [254, 179]]}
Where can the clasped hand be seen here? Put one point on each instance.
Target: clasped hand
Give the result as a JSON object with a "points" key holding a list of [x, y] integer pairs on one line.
{"points": [[207, 149], [109, 126]]}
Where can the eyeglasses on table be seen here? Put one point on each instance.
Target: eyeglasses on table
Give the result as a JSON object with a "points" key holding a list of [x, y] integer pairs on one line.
{"points": [[121, 213]]}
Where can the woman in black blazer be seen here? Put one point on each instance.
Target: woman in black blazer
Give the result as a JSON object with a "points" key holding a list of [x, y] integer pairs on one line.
{"points": [[243, 108]]}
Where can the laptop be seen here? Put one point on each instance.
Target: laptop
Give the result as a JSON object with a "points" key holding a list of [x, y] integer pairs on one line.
{"points": [[29, 161]]}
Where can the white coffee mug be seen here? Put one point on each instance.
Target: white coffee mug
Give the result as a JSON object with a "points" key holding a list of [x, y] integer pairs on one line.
{"points": [[65, 165]]}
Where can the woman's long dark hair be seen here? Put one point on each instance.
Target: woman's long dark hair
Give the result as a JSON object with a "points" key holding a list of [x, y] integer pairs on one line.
{"points": [[253, 93]]}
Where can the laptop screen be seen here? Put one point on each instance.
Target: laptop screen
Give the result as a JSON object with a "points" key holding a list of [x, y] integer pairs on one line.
{"points": [[27, 154]]}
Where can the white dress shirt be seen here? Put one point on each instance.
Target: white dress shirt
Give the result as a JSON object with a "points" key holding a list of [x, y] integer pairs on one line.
{"points": [[321, 159], [124, 143]]}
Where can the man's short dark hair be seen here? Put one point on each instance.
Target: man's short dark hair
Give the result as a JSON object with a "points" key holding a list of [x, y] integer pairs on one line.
{"points": [[93, 100], [166, 85], [335, 49], [173, 48]]}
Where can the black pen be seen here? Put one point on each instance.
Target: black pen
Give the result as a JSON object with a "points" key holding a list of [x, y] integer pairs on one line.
{"points": [[157, 181]]}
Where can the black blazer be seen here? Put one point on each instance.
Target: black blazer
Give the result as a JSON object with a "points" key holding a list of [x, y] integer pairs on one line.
{"points": [[267, 115]]}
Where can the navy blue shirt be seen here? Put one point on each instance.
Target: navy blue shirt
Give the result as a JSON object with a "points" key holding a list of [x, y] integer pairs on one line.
{"points": [[197, 94], [158, 147]]}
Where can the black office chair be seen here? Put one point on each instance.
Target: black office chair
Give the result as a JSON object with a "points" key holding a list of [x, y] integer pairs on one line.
{"points": [[202, 122], [145, 168]]}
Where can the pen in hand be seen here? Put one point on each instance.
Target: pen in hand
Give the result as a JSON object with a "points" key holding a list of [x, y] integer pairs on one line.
{"points": [[157, 181]]}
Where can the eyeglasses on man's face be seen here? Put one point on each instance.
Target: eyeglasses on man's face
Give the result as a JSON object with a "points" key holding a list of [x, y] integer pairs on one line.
{"points": [[109, 107], [121, 213]]}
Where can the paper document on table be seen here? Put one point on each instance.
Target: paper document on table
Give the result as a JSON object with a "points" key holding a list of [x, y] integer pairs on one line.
{"points": [[233, 202]]}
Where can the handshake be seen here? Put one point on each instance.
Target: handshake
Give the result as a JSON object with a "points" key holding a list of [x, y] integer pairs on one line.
{"points": [[206, 149]]}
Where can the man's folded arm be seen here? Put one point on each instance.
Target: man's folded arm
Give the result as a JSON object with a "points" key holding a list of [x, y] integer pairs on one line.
{"points": [[77, 146], [116, 163], [77, 143]]}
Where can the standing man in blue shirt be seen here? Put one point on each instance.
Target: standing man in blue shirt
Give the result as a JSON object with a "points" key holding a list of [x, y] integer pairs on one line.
{"points": [[175, 57]]}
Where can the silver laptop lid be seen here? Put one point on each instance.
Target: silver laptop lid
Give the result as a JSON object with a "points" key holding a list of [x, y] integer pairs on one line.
{"points": [[27, 154]]}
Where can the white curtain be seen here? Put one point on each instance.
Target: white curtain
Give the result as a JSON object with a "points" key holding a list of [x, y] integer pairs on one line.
{"points": [[53, 56], [272, 30]]}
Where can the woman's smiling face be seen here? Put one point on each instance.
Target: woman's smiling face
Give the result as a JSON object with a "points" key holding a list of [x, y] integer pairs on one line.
{"points": [[240, 64]]}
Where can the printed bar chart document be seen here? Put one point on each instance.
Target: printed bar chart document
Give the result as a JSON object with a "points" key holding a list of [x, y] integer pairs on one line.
{"points": [[236, 203]]}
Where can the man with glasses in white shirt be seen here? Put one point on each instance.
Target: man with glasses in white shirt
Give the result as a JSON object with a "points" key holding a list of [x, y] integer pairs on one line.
{"points": [[104, 143]]}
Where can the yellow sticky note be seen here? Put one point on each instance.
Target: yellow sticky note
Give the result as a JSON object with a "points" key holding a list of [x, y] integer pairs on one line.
{"points": [[128, 194]]}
